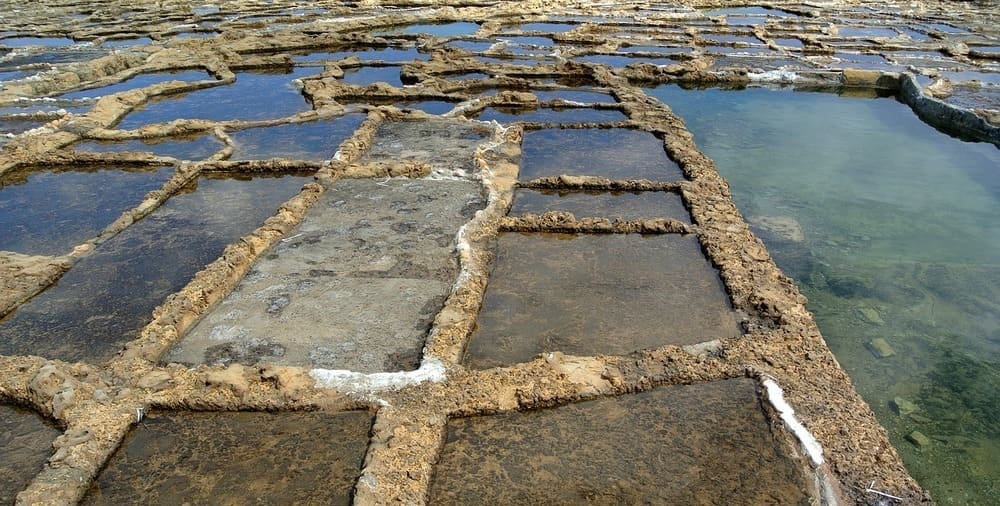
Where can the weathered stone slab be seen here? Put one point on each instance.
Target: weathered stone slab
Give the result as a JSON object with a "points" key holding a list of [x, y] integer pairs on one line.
{"points": [[445, 144], [356, 286]]}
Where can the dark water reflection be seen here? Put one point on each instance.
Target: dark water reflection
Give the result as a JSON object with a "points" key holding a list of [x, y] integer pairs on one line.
{"points": [[26, 440], [103, 301], [48, 212]]}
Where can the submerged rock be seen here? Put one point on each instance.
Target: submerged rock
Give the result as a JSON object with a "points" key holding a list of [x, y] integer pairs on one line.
{"points": [[918, 438], [880, 348], [869, 315], [782, 227], [902, 406]]}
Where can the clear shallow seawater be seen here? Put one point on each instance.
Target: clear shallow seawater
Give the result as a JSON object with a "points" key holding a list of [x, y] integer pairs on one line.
{"points": [[898, 238]]}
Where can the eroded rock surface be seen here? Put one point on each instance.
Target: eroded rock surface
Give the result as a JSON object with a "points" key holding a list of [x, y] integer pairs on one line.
{"points": [[355, 286]]}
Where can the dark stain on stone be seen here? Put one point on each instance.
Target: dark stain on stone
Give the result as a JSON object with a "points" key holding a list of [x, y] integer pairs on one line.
{"points": [[404, 227], [403, 360], [247, 352], [317, 273], [277, 304]]}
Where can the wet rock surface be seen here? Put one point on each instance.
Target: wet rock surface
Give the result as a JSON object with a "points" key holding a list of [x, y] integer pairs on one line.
{"points": [[444, 145], [305, 458], [356, 286], [671, 445]]}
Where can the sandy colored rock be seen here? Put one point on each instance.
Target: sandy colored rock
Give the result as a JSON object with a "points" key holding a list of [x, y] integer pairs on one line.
{"points": [[23, 276]]}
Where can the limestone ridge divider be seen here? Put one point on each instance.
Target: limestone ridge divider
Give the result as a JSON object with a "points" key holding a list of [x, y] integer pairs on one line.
{"points": [[24, 276], [944, 115], [498, 162], [568, 182], [403, 447], [183, 174], [566, 222]]}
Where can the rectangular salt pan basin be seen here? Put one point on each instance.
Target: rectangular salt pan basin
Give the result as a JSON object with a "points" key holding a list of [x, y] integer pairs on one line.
{"points": [[615, 153], [237, 458], [356, 286], [49, 212], [254, 96], [106, 298], [314, 141], [597, 294], [671, 445]]}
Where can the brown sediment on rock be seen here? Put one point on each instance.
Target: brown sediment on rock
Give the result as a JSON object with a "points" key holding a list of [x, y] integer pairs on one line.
{"points": [[869, 79], [23, 276], [277, 165], [570, 182], [382, 169], [565, 222]]}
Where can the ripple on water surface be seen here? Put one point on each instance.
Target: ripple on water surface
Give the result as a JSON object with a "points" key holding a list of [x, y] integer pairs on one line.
{"points": [[890, 228], [102, 302]]}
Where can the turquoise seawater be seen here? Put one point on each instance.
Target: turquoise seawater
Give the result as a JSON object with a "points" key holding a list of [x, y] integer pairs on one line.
{"points": [[892, 229]]}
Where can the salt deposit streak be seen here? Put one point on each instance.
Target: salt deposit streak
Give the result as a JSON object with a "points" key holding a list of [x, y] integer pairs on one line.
{"points": [[777, 399], [773, 76], [431, 370]]}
